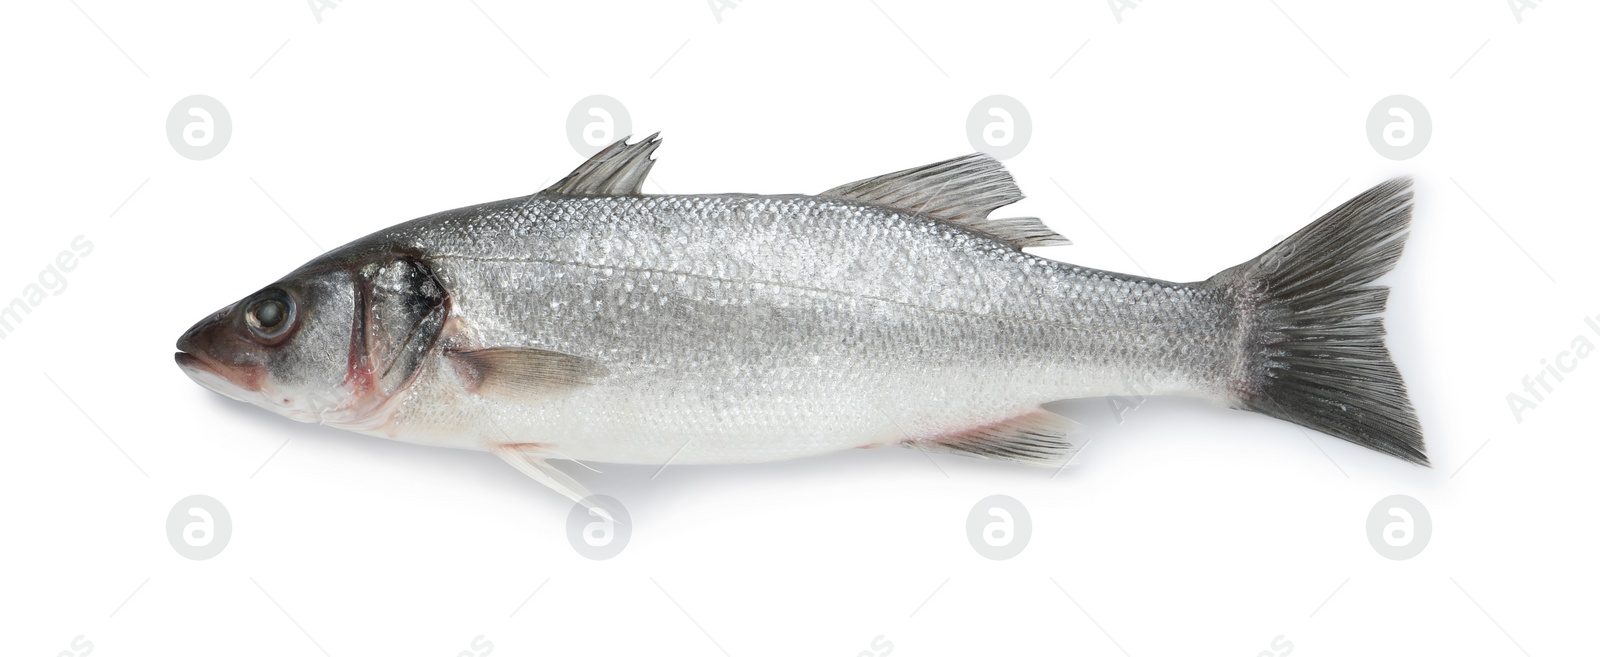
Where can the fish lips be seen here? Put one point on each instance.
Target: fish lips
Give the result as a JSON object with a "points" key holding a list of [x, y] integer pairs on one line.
{"points": [[215, 356]]}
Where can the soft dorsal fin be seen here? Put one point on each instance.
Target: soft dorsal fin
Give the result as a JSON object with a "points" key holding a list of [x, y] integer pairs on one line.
{"points": [[962, 191], [617, 170]]}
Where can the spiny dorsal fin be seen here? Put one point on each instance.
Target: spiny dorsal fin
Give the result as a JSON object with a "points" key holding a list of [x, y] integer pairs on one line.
{"points": [[962, 191], [617, 170], [1037, 438]]}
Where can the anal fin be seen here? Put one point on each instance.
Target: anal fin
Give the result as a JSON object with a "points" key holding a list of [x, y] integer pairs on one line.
{"points": [[1038, 438]]}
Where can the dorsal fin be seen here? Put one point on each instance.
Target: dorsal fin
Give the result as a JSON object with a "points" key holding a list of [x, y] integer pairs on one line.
{"points": [[1020, 232], [962, 191], [617, 170]]}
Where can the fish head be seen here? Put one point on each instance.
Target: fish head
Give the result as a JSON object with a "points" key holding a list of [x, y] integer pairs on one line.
{"points": [[329, 343], [283, 348]]}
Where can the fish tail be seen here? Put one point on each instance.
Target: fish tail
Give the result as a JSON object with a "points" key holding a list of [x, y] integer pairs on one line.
{"points": [[1312, 337]]}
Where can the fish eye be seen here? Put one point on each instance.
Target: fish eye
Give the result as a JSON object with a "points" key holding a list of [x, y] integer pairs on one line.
{"points": [[270, 316]]}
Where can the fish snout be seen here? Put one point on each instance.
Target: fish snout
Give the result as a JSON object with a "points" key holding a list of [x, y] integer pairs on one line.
{"points": [[213, 354]]}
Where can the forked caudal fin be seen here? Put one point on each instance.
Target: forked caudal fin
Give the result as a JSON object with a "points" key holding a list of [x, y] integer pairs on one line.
{"points": [[1313, 350]]}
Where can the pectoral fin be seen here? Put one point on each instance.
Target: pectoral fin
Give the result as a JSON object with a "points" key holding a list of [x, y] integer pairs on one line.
{"points": [[531, 460], [522, 372]]}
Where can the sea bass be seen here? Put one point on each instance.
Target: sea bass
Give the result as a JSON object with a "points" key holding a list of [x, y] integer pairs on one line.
{"points": [[592, 322]]}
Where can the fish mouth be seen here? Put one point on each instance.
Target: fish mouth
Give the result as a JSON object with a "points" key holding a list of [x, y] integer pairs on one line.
{"points": [[239, 383], [189, 361], [191, 358], [207, 375]]}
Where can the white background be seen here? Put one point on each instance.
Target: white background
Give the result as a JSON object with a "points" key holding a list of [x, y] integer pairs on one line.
{"points": [[1190, 139]]}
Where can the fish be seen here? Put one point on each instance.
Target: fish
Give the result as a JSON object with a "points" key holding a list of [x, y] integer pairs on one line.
{"points": [[592, 322]]}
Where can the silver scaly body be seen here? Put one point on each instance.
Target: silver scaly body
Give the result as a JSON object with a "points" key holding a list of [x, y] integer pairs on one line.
{"points": [[736, 328]]}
